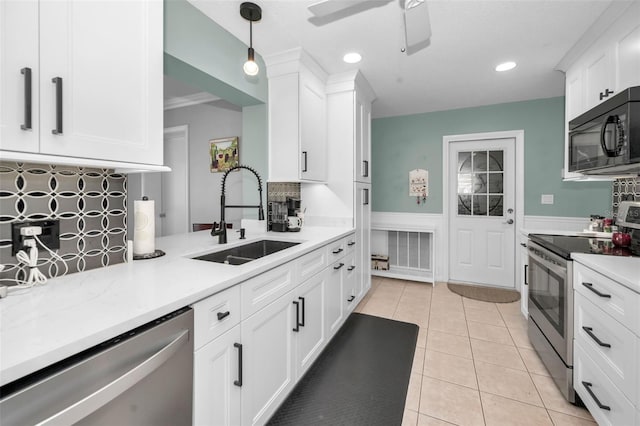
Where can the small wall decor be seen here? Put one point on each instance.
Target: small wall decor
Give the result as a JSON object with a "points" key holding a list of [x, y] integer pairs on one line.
{"points": [[224, 154], [419, 184]]}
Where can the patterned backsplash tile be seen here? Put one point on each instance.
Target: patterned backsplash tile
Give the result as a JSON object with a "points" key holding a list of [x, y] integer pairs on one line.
{"points": [[627, 189], [91, 205]]}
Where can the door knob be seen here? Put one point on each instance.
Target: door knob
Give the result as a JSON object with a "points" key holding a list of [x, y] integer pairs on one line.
{"points": [[509, 210], [509, 222]]}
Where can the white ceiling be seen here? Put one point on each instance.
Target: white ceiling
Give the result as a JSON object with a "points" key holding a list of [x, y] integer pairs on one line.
{"points": [[456, 70]]}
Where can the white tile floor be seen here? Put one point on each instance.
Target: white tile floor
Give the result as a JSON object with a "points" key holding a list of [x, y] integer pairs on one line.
{"points": [[473, 363]]}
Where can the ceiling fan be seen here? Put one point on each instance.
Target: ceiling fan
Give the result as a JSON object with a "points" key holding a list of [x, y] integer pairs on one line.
{"points": [[417, 28]]}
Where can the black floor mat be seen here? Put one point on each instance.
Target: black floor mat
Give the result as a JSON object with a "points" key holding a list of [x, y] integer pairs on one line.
{"points": [[361, 378]]}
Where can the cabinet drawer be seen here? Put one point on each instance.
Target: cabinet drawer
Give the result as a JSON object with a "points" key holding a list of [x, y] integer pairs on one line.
{"points": [[594, 330], [350, 244], [215, 315], [612, 297], [585, 370], [258, 292], [312, 263], [336, 249]]}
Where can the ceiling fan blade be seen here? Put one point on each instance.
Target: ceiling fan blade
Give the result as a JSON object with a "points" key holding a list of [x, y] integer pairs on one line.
{"points": [[336, 9], [417, 26]]}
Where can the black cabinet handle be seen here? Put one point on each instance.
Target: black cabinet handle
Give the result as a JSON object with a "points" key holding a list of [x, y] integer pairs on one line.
{"points": [[28, 108], [590, 287], [526, 279], [351, 268], [239, 381], [350, 299], [366, 168], [589, 331], [605, 94], [337, 251], [297, 327], [523, 244], [340, 265], [304, 154], [351, 243], [58, 82], [222, 315], [587, 386], [366, 197], [302, 308]]}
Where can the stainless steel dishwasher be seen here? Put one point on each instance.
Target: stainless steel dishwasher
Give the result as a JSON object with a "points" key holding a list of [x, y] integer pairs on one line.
{"points": [[142, 377]]}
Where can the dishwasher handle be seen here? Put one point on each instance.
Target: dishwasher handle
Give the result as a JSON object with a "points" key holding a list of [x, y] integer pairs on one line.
{"points": [[107, 393]]}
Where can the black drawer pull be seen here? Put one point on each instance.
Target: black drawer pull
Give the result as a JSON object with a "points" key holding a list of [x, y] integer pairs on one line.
{"points": [[340, 265], [587, 386], [58, 82], [366, 168], [590, 287], [302, 306], [351, 268], [589, 331], [222, 315], [351, 243], [304, 168], [27, 98], [337, 251], [297, 327], [526, 279], [239, 381], [350, 299]]}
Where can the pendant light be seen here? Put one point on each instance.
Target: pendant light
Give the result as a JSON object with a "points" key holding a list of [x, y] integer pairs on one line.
{"points": [[252, 13]]}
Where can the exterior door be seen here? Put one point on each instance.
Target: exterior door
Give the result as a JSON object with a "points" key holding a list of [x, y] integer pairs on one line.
{"points": [[481, 209]]}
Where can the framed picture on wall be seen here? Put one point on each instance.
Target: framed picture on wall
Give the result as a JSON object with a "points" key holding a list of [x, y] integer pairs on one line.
{"points": [[224, 154]]}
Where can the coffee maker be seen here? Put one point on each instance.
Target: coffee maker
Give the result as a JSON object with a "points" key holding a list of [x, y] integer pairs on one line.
{"points": [[294, 221]]}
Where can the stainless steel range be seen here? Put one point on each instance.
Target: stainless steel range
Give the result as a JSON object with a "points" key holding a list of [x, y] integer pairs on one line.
{"points": [[550, 279]]}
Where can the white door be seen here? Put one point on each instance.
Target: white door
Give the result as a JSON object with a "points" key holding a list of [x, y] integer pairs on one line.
{"points": [[481, 210], [174, 213]]}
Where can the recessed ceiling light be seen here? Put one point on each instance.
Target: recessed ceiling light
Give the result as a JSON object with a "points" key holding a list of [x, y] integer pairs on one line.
{"points": [[352, 58], [506, 66]]}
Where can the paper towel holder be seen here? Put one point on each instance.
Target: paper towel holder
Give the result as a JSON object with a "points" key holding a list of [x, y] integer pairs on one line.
{"points": [[153, 255]]}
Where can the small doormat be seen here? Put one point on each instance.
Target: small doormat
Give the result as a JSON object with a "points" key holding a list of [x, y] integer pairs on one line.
{"points": [[361, 377], [486, 294]]}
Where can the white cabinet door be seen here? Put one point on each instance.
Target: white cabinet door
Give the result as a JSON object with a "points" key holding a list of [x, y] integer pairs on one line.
{"points": [[628, 59], [217, 381], [335, 314], [599, 78], [313, 139], [101, 80], [349, 284], [268, 368], [524, 276], [574, 94], [309, 313], [362, 139], [19, 71], [362, 210]]}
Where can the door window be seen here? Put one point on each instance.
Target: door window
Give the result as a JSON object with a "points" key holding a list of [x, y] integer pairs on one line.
{"points": [[480, 183]]}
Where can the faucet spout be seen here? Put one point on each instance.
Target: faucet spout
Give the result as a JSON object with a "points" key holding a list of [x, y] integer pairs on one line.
{"points": [[221, 231]]}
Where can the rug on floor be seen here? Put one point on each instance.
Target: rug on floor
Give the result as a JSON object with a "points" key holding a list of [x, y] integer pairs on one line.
{"points": [[361, 377], [486, 294]]}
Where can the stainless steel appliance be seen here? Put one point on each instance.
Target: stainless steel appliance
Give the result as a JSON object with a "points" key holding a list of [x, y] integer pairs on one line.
{"points": [[143, 377], [606, 139], [550, 279]]}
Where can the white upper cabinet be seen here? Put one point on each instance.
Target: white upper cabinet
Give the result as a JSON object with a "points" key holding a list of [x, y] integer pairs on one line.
{"points": [[96, 79], [610, 65], [297, 118]]}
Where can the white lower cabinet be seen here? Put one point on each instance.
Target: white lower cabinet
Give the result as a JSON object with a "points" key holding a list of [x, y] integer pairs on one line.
{"points": [[216, 386], [350, 285], [243, 372], [267, 362]]}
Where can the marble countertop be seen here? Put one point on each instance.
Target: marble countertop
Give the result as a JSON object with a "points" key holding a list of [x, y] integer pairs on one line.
{"points": [[48, 323], [625, 270]]}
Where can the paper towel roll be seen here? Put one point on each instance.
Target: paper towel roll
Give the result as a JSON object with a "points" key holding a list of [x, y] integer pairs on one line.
{"points": [[144, 234]]}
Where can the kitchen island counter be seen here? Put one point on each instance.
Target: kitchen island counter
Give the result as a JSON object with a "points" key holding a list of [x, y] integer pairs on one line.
{"points": [[46, 324]]}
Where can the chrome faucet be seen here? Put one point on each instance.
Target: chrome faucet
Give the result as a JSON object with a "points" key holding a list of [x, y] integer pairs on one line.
{"points": [[221, 231]]}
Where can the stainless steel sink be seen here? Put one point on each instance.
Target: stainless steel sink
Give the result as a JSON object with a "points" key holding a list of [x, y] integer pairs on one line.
{"points": [[246, 253]]}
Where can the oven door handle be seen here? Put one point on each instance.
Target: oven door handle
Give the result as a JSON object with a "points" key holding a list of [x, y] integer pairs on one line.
{"points": [[562, 271]]}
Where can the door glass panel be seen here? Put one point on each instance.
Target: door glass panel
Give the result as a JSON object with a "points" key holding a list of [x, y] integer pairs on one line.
{"points": [[496, 162], [465, 183], [464, 162], [479, 205], [480, 183], [464, 204], [495, 205], [495, 183], [479, 161]]}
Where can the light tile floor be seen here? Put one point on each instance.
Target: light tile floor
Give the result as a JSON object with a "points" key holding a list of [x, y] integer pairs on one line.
{"points": [[473, 363]]}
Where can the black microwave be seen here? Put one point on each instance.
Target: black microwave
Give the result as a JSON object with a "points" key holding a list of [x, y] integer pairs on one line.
{"points": [[606, 139]]}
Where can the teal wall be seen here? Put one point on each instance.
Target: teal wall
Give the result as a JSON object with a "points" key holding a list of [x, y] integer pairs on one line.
{"points": [[404, 143], [201, 52]]}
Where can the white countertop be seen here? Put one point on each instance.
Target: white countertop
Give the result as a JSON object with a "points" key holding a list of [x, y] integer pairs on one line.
{"points": [[625, 270], [46, 324]]}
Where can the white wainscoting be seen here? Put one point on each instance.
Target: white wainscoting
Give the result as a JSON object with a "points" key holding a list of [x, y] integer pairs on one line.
{"points": [[548, 224]]}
